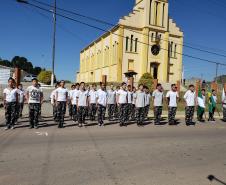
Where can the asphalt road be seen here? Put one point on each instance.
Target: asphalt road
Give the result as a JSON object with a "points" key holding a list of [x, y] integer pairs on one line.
{"points": [[152, 155]]}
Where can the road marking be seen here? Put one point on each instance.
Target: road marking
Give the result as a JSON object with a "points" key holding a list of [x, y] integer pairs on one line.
{"points": [[42, 133]]}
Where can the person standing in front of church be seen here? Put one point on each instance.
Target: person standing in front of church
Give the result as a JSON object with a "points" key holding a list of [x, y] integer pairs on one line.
{"points": [[122, 101], [172, 98]]}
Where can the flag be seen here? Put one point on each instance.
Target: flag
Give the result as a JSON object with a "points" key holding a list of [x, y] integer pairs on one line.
{"points": [[212, 103], [223, 95], [201, 105]]}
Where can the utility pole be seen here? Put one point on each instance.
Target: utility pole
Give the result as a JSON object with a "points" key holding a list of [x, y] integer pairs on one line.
{"points": [[54, 44]]}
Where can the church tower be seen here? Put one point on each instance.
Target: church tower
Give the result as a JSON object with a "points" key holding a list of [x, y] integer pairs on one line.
{"points": [[156, 12]]}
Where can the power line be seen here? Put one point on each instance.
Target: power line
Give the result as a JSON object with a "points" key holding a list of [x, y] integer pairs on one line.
{"points": [[110, 24], [60, 26], [101, 29]]}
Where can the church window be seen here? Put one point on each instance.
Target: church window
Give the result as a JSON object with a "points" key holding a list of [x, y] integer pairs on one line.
{"points": [[127, 43], [163, 14], [136, 40], [175, 51], [131, 43]]}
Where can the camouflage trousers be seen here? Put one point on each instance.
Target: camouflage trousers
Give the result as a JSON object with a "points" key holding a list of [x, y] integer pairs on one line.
{"points": [[171, 114], [54, 112], [224, 113], [116, 111], [189, 113], [70, 109], [123, 113], [157, 113], [34, 110], [129, 111], [111, 110], [92, 111], [133, 112], [81, 114], [74, 113], [40, 109], [146, 110], [61, 111], [140, 115], [101, 113], [20, 109], [10, 113]]}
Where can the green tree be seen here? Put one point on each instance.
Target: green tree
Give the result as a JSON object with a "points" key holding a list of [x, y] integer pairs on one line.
{"points": [[5, 63], [45, 77], [147, 80], [22, 63]]}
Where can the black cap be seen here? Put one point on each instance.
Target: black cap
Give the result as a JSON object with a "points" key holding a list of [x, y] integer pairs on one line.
{"points": [[34, 79]]}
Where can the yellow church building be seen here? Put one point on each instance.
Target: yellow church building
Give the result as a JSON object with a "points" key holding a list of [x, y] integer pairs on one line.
{"points": [[146, 40]]}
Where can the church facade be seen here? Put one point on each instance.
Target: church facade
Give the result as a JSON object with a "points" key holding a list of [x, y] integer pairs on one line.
{"points": [[146, 40]]}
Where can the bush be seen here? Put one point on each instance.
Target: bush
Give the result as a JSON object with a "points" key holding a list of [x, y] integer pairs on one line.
{"points": [[45, 77], [146, 79]]}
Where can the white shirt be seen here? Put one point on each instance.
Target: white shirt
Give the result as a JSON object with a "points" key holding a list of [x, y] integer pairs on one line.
{"points": [[201, 101], [215, 98], [204, 99], [173, 98], [123, 95], [21, 95], [10, 94], [61, 94], [53, 96], [158, 97], [74, 95], [82, 98], [134, 99], [147, 99], [111, 97], [224, 102], [189, 97], [34, 94], [69, 93], [139, 99], [130, 97], [93, 96], [102, 97]]}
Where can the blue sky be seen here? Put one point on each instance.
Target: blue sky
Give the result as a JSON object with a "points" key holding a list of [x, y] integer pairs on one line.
{"points": [[26, 32]]}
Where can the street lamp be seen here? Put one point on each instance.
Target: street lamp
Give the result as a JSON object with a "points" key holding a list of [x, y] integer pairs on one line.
{"points": [[54, 37]]}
